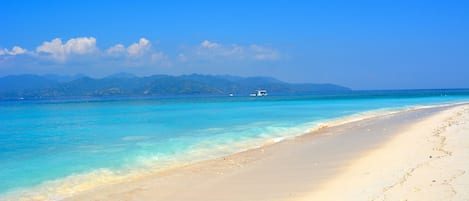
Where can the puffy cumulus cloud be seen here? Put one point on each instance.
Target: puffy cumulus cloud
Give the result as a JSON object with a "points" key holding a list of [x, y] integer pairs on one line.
{"points": [[80, 45], [81, 50], [116, 50], [84, 49], [61, 51], [6, 54], [212, 50], [140, 48], [53, 48], [140, 53], [16, 50]]}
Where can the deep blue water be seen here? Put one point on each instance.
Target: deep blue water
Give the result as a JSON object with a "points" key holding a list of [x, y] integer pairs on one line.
{"points": [[70, 142]]}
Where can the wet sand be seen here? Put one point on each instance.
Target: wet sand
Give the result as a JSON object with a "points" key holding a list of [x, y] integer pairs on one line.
{"points": [[392, 157]]}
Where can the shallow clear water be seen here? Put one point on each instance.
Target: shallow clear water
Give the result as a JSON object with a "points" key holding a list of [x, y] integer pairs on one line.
{"points": [[43, 141]]}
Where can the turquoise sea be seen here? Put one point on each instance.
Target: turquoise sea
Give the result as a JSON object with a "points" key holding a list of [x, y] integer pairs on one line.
{"points": [[53, 148]]}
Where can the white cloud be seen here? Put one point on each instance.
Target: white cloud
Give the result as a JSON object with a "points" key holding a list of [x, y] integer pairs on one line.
{"points": [[140, 48], [263, 53], [61, 51], [209, 45], [54, 48], [80, 45], [212, 50], [16, 50], [140, 53], [143, 47], [116, 50]]}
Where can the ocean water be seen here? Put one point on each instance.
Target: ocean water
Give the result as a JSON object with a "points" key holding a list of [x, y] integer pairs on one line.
{"points": [[51, 149]]}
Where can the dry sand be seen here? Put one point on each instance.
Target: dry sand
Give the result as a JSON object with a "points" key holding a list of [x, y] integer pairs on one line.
{"points": [[428, 161], [414, 155]]}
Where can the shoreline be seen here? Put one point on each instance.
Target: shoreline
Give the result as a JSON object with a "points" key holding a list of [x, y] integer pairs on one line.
{"points": [[231, 168], [227, 164]]}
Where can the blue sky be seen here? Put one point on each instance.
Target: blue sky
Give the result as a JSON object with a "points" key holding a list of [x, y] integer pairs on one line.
{"points": [[359, 44]]}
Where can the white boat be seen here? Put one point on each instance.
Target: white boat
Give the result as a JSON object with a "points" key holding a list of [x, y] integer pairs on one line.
{"points": [[261, 92]]}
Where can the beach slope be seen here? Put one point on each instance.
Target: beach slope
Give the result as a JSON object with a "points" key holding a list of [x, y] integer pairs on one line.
{"points": [[427, 161], [412, 155]]}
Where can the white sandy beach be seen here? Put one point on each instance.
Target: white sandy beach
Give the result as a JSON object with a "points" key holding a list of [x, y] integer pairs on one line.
{"points": [[413, 155], [428, 161]]}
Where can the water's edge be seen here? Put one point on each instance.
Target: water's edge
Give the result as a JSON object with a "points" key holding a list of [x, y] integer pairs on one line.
{"points": [[73, 184]]}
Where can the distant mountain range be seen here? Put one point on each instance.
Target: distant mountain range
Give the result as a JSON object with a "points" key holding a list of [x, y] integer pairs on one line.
{"points": [[124, 84]]}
